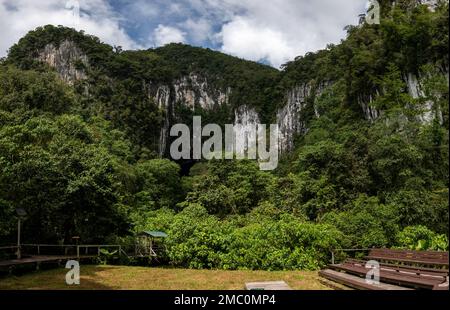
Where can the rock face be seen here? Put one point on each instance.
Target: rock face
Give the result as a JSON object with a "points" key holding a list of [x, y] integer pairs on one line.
{"points": [[371, 113], [291, 119], [431, 111], [246, 120], [67, 59], [161, 94], [415, 87], [432, 4], [194, 92]]}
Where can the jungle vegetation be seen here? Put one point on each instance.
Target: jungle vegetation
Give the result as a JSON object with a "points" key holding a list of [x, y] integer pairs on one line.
{"points": [[86, 163]]}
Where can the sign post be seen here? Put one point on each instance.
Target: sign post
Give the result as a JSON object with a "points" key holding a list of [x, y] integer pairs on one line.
{"points": [[20, 215]]}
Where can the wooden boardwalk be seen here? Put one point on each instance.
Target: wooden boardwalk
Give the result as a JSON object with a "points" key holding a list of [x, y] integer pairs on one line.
{"points": [[42, 259]]}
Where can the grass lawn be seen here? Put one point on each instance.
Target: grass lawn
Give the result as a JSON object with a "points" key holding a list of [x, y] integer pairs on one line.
{"points": [[142, 278]]}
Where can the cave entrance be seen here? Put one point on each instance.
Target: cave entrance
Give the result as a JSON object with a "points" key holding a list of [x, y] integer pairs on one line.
{"points": [[186, 166]]}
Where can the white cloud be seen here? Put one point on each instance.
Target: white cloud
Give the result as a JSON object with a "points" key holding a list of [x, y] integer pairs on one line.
{"points": [[17, 17], [199, 30], [280, 30], [165, 34], [149, 9], [246, 39], [274, 30]]}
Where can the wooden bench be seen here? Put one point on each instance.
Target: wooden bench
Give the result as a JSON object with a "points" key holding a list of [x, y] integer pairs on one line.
{"points": [[356, 282], [398, 268], [426, 258], [396, 275], [406, 268]]}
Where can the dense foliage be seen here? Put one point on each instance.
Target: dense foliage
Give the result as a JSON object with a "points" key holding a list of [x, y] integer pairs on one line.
{"points": [[83, 162], [116, 80]]}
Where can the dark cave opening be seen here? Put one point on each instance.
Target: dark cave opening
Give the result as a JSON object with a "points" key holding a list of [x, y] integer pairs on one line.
{"points": [[185, 166]]}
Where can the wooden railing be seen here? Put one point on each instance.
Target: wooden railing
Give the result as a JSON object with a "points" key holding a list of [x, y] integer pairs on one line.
{"points": [[9, 251], [9, 247], [79, 250]]}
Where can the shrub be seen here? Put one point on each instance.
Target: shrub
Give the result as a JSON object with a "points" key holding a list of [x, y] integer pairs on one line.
{"points": [[421, 238]]}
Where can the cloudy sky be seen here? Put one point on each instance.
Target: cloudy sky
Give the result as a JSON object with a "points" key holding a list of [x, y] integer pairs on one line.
{"points": [[270, 31]]}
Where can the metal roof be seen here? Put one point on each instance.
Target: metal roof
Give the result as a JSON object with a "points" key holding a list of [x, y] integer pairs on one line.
{"points": [[155, 234]]}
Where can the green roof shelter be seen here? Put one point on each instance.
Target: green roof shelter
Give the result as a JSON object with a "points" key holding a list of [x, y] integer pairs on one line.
{"points": [[154, 234], [148, 243]]}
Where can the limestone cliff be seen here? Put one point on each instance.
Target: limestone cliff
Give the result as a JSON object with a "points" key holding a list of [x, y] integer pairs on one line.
{"points": [[194, 91], [67, 59]]}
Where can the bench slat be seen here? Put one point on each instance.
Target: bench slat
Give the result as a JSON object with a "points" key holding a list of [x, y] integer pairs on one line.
{"points": [[419, 270], [356, 282], [393, 277], [408, 256]]}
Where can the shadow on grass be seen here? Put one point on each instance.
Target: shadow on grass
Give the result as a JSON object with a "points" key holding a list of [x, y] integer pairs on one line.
{"points": [[51, 277]]}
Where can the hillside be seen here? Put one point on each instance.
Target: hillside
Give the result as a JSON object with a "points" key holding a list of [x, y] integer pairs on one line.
{"points": [[363, 135]]}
